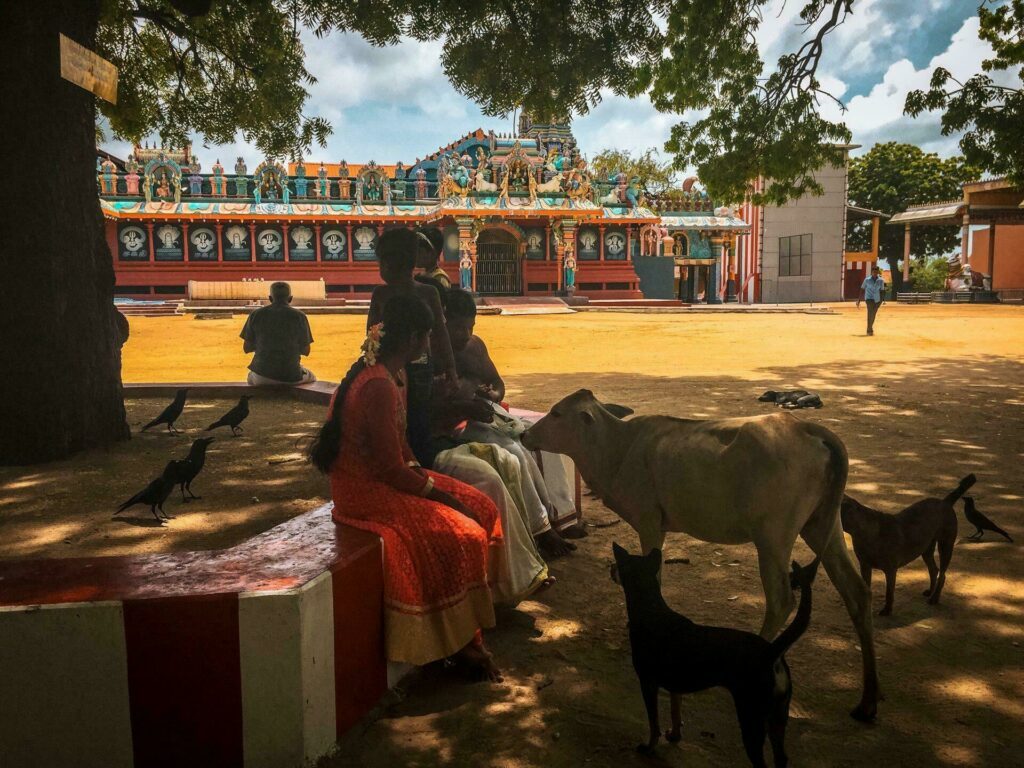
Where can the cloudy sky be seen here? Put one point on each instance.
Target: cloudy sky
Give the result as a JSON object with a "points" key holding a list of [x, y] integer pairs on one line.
{"points": [[395, 103]]}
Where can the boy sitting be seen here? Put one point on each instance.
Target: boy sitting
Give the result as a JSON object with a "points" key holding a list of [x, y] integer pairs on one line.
{"points": [[548, 496], [429, 254]]}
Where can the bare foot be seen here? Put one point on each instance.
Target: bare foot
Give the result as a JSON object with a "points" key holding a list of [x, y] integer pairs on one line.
{"points": [[479, 664], [574, 531], [552, 544], [545, 585]]}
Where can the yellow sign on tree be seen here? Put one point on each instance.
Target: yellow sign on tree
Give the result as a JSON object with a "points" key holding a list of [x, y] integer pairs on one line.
{"points": [[84, 68]]}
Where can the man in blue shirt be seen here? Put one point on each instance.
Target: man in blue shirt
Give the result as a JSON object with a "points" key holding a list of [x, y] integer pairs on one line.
{"points": [[871, 291]]}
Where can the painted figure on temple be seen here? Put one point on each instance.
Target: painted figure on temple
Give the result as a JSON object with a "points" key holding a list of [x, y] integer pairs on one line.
{"points": [[466, 272], [323, 185], [518, 176], [108, 177], [372, 191], [301, 182], [343, 170], [270, 183], [241, 180], [218, 185], [132, 178], [302, 236], [163, 187], [569, 271], [195, 180], [453, 176], [399, 183], [168, 236], [421, 183], [577, 180], [555, 162]]}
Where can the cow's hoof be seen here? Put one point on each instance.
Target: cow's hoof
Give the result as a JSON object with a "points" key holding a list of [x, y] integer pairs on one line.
{"points": [[864, 712], [885, 612], [645, 749], [927, 592], [673, 737]]}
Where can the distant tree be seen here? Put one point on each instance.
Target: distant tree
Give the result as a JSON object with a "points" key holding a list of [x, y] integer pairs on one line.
{"points": [[656, 175], [929, 275], [990, 115], [892, 176]]}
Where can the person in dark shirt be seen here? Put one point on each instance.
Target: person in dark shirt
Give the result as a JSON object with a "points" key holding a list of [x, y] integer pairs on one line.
{"points": [[279, 336]]}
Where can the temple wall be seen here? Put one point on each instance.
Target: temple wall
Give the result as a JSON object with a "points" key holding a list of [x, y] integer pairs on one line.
{"points": [[1009, 256]]}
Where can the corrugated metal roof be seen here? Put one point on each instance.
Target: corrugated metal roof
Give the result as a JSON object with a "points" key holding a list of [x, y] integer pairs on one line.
{"points": [[704, 222], [930, 214]]}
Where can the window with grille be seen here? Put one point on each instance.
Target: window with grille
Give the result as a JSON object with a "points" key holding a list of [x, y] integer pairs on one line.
{"points": [[795, 255]]}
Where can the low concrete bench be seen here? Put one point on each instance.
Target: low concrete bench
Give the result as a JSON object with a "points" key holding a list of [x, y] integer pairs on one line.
{"points": [[258, 655]]}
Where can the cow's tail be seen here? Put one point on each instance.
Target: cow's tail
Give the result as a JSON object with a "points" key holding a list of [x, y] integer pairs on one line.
{"points": [[954, 496], [818, 527]]}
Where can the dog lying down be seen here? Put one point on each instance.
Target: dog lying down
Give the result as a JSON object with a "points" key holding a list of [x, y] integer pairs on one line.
{"points": [[671, 652], [889, 542], [792, 398]]}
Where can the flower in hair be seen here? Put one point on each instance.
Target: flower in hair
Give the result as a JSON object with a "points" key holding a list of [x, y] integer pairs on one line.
{"points": [[371, 345]]}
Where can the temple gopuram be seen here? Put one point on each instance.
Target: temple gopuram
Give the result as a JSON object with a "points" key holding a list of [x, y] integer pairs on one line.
{"points": [[522, 215]]}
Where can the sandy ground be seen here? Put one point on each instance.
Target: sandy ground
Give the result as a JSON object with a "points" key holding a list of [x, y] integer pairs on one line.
{"points": [[248, 484], [939, 392]]}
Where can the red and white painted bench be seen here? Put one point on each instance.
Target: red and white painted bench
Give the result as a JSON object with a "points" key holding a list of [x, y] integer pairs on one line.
{"points": [[263, 654]]}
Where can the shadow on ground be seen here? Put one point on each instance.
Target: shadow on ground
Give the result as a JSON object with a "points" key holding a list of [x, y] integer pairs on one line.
{"points": [[952, 674]]}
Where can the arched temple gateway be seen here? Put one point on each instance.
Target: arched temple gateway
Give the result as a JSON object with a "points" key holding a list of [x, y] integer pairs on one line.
{"points": [[523, 212]]}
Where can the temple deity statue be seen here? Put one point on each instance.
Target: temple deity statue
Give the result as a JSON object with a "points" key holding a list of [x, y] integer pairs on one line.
{"points": [[218, 185], [569, 270], [343, 170], [466, 272], [323, 185], [241, 180], [108, 177], [421, 183], [195, 181], [163, 187], [301, 182]]}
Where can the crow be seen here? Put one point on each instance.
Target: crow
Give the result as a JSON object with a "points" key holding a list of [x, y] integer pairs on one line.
{"points": [[171, 413], [979, 521], [184, 471], [234, 417], [154, 494]]}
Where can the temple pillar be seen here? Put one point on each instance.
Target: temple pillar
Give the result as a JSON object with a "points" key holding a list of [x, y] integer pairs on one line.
{"points": [[600, 242], [284, 237], [992, 254], [629, 242], [348, 240], [220, 241], [730, 284], [184, 241], [547, 242], [316, 242], [252, 241], [965, 237], [906, 253], [711, 287], [152, 245]]}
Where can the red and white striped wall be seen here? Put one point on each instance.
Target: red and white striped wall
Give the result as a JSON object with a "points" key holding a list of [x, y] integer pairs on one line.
{"points": [[748, 250], [259, 655]]}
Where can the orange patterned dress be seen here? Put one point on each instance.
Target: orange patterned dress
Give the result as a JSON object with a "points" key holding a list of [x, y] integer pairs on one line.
{"points": [[437, 562]]}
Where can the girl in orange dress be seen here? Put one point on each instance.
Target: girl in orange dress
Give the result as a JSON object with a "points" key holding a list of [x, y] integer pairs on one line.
{"points": [[442, 538]]}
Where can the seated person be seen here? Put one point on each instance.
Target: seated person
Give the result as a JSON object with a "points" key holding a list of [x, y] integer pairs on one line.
{"points": [[429, 254], [547, 494], [396, 252], [279, 335], [442, 538]]}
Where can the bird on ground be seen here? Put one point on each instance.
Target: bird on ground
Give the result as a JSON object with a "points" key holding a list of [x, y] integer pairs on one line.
{"points": [[154, 494], [980, 522], [171, 413], [184, 471], [234, 417]]}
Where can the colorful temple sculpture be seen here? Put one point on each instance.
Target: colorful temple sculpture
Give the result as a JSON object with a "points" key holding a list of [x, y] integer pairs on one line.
{"points": [[521, 215]]}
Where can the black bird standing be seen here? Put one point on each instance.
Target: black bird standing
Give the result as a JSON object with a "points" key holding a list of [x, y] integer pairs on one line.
{"points": [[234, 417], [184, 471], [979, 521], [170, 414], [154, 494]]}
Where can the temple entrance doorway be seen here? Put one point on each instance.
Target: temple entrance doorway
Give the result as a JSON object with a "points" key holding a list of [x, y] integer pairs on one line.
{"points": [[499, 266]]}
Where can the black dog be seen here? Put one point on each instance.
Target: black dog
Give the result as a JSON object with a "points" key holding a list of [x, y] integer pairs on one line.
{"points": [[671, 652], [184, 471], [888, 542], [980, 522], [793, 398]]}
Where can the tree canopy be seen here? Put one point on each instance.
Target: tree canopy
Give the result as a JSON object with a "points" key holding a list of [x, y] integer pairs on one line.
{"points": [[656, 175], [216, 67], [893, 176], [990, 115]]}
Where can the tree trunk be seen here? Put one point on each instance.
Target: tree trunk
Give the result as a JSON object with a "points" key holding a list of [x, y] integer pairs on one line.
{"points": [[60, 376]]}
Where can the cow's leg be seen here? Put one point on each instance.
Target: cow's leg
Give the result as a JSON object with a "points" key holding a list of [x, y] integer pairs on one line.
{"points": [[856, 595], [773, 560]]}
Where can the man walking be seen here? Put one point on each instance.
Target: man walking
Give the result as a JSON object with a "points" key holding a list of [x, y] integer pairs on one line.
{"points": [[279, 335], [871, 291]]}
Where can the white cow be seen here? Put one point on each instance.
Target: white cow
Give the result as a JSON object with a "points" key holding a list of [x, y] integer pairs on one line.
{"points": [[762, 479]]}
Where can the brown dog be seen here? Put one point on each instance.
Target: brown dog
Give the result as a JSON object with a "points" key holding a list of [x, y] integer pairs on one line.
{"points": [[888, 542]]}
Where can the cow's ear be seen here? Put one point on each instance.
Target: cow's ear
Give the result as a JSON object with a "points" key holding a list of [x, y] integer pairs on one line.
{"points": [[618, 411]]}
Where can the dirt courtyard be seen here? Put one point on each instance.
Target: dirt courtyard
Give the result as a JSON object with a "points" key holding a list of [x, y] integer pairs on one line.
{"points": [[937, 393]]}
